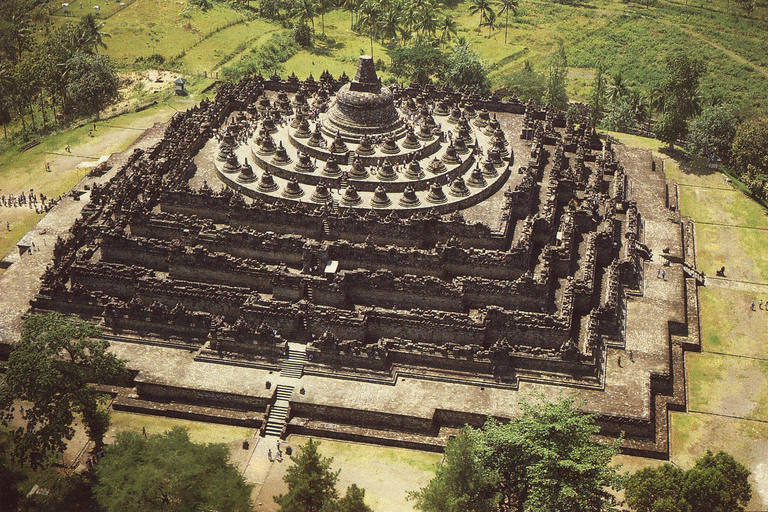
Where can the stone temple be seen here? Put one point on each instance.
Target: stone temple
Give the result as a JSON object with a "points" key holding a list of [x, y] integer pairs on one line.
{"points": [[344, 259]]}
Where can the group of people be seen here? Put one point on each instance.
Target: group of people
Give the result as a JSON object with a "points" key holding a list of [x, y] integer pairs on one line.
{"points": [[39, 202], [762, 305], [91, 461], [278, 456]]}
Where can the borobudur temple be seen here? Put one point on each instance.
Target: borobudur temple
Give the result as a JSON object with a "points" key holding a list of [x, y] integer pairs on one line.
{"points": [[341, 258]]}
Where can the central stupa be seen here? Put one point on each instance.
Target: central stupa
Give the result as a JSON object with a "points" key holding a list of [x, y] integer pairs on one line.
{"points": [[363, 107]]}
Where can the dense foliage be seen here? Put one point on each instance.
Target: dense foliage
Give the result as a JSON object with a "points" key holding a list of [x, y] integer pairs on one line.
{"points": [[555, 94], [711, 133], [461, 484], [168, 472], [50, 368], [546, 460], [527, 84], [464, 71], [56, 76], [750, 158], [716, 483]]}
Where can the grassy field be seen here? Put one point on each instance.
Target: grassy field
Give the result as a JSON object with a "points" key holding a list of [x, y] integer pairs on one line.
{"points": [[23, 171], [387, 474], [165, 27], [199, 432], [629, 38]]}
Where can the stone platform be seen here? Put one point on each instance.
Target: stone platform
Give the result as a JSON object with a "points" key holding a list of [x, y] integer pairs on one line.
{"points": [[567, 272]]}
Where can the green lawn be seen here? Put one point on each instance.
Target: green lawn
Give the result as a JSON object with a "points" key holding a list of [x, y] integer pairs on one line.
{"points": [[387, 474], [731, 326], [732, 386], [199, 432], [175, 25], [693, 434], [22, 171], [741, 251], [726, 206]]}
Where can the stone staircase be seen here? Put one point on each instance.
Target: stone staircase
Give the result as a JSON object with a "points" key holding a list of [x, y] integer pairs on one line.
{"points": [[279, 411], [326, 228], [293, 367], [310, 293], [690, 271]]}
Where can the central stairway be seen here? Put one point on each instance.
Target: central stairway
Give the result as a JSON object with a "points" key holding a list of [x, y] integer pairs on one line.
{"points": [[279, 411], [293, 367]]}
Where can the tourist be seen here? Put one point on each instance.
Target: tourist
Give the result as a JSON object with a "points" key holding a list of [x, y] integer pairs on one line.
{"points": [[269, 455], [753, 305], [664, 275]]}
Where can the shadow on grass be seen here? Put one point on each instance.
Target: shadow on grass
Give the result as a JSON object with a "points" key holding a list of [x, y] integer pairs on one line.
{"points": [[692, 166], [325, 47]]}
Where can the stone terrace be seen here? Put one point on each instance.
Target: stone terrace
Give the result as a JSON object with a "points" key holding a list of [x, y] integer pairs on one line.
{"points": [[391, 323]]}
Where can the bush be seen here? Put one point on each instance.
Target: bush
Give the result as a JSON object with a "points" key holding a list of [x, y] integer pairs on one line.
{"points": [[153, 61], [302, 34], [465, 71], [527, 84], [711, 133], [620, 119], [750, 160]]}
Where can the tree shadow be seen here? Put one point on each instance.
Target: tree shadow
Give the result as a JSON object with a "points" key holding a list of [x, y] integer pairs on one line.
{"points": [[325, 47], [689, 165]]}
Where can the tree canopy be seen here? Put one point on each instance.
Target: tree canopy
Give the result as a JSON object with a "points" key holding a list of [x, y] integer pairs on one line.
{"points": [[711, 133], [465, 71], [556, 95], [168, 472], [527, 84], [462, 484], [50, 368], [716, 483], [546, 460], [311, 482], [418, 62]]}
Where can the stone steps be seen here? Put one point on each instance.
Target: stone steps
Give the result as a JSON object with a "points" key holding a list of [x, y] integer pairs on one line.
{"points": [[279, 412], [293, 367]]}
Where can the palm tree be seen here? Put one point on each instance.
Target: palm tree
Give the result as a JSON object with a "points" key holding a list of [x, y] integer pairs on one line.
{"points": [[448, 29], [323, 6], [505, 7], [490, 22], [482, 7], [657, 99], [390, 24], [638, 105], [305, 11], [368, 18], [91, 33], [426, 21], [618, 88]]}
